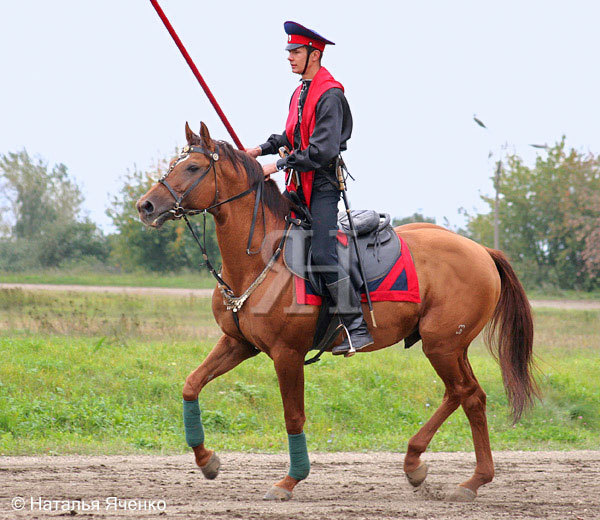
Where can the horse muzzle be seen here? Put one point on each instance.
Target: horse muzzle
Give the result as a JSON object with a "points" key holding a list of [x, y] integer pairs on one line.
{"points": [[151, 215]]}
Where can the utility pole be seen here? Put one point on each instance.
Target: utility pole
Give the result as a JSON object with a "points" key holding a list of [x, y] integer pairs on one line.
{"points": [[497, 205], [497, 178]]}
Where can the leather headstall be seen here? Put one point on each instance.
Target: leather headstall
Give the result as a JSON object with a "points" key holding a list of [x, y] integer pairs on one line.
{"points": [[177, 210]]}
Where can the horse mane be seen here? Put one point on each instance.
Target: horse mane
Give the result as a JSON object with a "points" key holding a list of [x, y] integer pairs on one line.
{"points": [[272, 197]]}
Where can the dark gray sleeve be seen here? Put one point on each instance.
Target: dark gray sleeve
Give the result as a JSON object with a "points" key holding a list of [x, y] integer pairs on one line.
{"points": [[324, 143], [273, 144]]}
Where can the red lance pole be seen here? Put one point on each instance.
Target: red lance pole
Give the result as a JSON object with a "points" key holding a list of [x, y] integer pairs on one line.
{"points": [[196, 72]]}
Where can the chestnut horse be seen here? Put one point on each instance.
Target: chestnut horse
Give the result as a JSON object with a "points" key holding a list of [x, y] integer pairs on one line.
{"points": [[463, 287]]}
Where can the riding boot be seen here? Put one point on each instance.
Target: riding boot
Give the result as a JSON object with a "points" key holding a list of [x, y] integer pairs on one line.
{"points": [[347, 301]]}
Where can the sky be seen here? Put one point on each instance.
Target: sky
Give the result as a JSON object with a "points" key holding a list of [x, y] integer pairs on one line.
{"points": [[102, 88]]}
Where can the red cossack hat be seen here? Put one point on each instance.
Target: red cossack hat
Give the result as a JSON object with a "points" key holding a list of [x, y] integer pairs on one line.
{"points": [[298, 35]]}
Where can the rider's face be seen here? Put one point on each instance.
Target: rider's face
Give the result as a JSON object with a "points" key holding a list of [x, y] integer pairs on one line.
{"points": [[297, 59]]}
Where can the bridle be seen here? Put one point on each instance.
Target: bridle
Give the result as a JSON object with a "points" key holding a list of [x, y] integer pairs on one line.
{"points": [[178, 211], [232, 302]]}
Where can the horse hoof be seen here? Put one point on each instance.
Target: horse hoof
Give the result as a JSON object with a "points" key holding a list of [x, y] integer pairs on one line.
{"points": [[417, 476], [461, 494], [211, 468], [278, 493]]}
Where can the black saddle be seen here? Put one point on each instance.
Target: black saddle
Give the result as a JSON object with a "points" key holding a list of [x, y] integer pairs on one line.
{"points": [[378, 243]]}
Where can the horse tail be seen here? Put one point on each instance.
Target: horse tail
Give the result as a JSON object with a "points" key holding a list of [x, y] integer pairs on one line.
{"points": [[509, 337]]}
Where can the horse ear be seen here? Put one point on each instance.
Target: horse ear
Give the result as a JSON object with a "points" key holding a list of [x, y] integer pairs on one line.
{"points": [[191, 137], [205, 136]]}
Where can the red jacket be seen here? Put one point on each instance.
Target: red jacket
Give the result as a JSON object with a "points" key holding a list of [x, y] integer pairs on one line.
{"points": [[321, 83]]}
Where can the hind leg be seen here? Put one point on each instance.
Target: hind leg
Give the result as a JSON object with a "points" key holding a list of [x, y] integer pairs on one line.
{"points": [[463, 389], [474, 408], [447, 367]]}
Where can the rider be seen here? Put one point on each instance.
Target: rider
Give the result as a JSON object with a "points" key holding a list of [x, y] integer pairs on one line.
{"points": [[318, 126]]}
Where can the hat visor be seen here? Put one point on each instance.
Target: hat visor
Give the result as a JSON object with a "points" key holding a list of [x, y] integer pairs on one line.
{"points": [[292, 46]]}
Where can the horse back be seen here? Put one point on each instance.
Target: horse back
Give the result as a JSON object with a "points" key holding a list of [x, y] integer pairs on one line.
{"points": [[448, 265]]}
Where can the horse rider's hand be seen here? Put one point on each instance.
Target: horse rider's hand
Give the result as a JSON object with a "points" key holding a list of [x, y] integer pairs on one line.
{"points": [[268, 169], [254, 152]]}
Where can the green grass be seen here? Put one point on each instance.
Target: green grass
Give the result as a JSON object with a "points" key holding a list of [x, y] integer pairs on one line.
{"points": [[562, 294], [103, 374], [114, 317], [82, 275], [183, 280]]}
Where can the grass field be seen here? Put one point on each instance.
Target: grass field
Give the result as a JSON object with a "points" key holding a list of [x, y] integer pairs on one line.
{"points": [[189, 280], [90, 373], [76, 276]]}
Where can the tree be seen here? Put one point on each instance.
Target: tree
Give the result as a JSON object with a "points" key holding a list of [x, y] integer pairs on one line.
{"points": [[42, 215], [415, 217], [548, 215], [72, 241], [37, 196], [169, 248], [480, 227], [585, 220]]}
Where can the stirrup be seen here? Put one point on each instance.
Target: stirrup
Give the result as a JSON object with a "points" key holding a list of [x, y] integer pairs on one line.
{"points": [[351, 350]]}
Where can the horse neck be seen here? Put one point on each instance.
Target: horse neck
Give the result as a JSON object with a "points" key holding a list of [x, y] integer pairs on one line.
{"points": [[233, 222]]}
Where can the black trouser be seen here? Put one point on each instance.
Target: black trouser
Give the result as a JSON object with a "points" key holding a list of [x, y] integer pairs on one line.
{"points": [[323, 208]]}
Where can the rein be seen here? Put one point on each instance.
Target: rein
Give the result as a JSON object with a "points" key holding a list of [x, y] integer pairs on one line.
{"points": [[232, 302], [179, 211]]}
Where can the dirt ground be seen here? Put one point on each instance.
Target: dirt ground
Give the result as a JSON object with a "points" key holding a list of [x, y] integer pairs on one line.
{"points": [[549, 485], [206, 293]]}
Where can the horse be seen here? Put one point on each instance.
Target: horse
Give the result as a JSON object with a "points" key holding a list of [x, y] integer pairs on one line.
{"points": [[463, 287]]}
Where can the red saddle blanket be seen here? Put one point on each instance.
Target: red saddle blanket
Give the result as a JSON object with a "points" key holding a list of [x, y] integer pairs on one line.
{"points": [[399, 284]]}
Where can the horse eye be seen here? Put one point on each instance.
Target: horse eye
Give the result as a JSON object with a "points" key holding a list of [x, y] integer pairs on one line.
{"points": [[192, 168]]}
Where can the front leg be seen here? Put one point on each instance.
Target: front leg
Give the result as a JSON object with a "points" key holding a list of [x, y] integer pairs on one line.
{"points": [[225, 355], [289, 365]]}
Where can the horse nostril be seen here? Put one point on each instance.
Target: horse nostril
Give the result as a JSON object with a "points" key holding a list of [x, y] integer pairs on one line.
{"points": [[147, 207]]}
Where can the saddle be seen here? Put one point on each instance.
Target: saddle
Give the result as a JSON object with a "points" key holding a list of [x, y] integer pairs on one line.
{"points": [[378, 244], [377, 241]]}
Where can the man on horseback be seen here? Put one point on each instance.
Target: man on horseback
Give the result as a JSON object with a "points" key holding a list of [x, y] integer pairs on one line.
{"points": [[318, 126]]}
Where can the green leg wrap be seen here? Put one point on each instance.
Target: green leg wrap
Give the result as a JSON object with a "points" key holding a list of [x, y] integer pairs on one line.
{"points": [[194, 433], [299, 463]]}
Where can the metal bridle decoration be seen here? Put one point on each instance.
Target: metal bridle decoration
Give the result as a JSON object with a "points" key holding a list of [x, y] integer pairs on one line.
{"points": [[232, 302], [177, 210]]}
